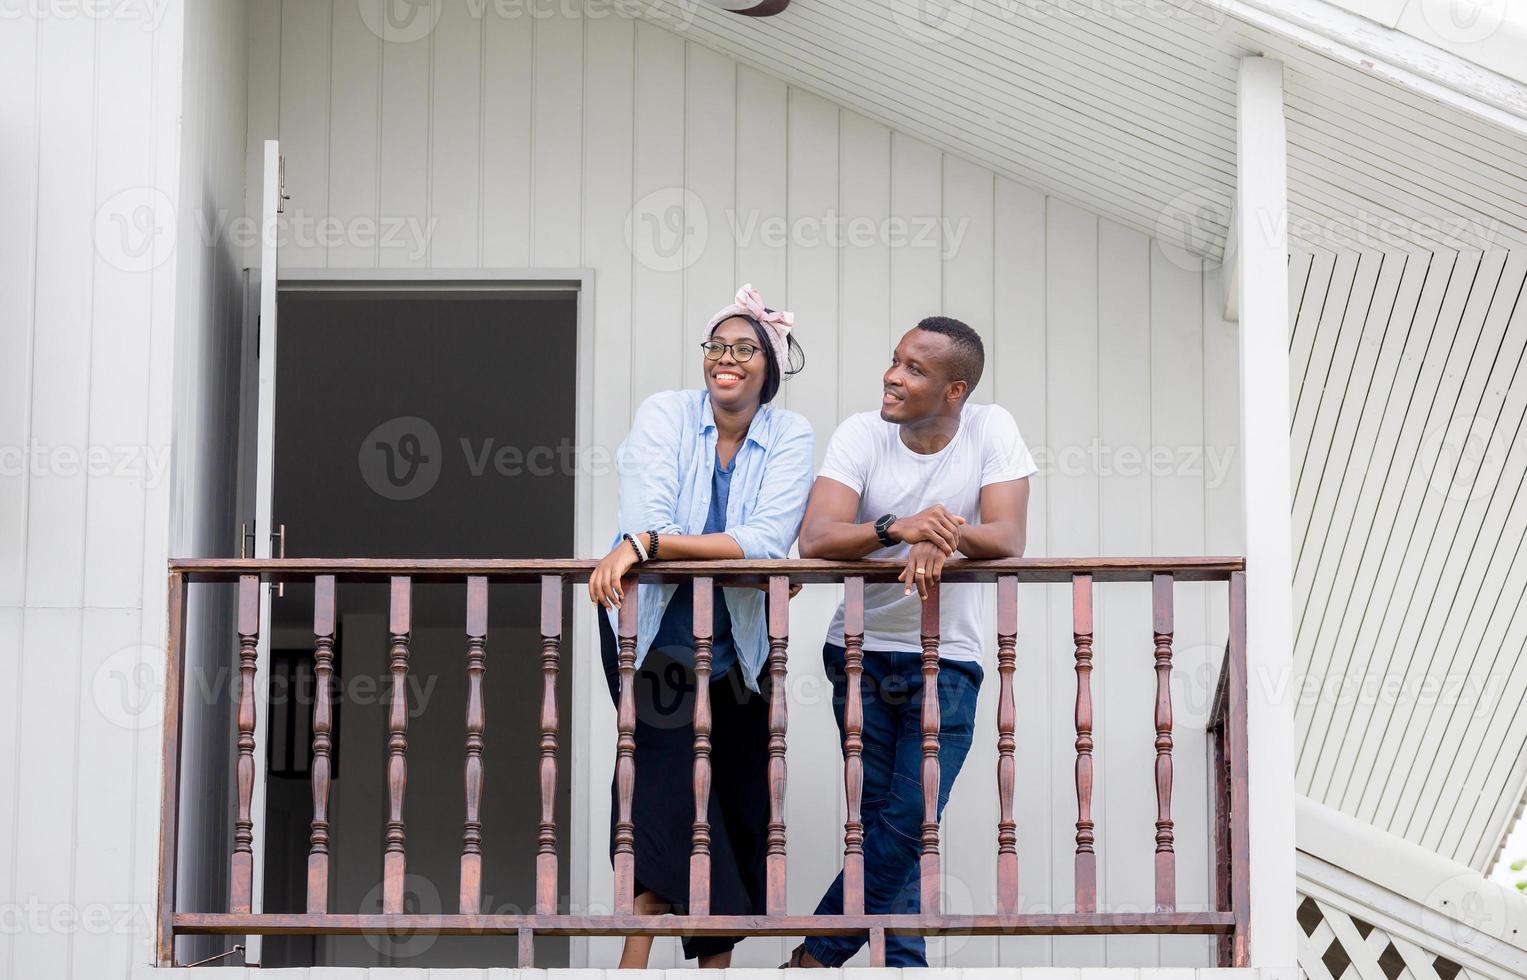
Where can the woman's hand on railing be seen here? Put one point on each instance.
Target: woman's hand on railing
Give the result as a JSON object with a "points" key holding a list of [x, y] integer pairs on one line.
{"points": [[925, 563], [604, 580]]}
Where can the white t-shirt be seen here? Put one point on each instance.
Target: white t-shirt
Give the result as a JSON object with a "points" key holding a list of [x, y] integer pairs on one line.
{"points": [[866, 455]]}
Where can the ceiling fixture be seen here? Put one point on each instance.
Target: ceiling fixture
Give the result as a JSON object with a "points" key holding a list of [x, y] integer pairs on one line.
{"points": [[752, 8]]}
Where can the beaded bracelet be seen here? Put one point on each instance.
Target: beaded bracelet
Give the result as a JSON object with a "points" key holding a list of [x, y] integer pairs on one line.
{"points": [[636, 545], [652, 544]]}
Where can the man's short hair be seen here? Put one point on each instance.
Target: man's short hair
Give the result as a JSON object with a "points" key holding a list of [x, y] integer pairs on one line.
{"points": [[969, 353]]}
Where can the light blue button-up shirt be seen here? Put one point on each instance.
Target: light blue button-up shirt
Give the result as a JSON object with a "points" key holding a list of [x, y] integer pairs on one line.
{"points": [[665, 466]]}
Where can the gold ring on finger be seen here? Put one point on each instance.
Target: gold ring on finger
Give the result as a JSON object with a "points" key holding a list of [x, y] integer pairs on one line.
{"points": [[922, 571]]}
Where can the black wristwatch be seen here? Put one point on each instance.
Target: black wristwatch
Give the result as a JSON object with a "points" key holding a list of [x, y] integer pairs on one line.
{"points": [[883, 530]]}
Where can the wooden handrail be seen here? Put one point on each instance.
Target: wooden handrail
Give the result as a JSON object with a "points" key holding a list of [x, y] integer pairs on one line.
{"points": [[1228, 920], [736, 572]]}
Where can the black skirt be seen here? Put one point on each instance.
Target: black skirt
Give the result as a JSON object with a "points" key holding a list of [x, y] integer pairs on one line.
{"points": [[663, 805]]}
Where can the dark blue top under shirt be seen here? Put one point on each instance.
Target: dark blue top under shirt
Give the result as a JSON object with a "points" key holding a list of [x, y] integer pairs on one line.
{"points": [[675, 634]]}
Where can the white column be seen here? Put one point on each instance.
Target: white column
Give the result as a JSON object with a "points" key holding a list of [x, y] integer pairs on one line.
{"points": [[1262, 273]]}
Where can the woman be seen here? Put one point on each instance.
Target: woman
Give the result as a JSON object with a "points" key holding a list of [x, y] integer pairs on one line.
{"points": [[711, 474]]}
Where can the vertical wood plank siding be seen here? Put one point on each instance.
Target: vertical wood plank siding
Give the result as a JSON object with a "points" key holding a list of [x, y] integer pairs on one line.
{"points": [[667, 123]]}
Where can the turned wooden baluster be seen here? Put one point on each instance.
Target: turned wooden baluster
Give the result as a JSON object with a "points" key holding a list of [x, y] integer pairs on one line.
{"points": [[625, 754], [779, 642], [1007, 744], [471, 835], [394, 858], [1086, 860], [551, 658], [853, 746], [699, 854], [323, 733], [242, 865], [1166, 859], [930, 874]]}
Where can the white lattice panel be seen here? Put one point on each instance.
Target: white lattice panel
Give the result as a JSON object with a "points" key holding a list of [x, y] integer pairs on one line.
{"points": [[1334, 945]]}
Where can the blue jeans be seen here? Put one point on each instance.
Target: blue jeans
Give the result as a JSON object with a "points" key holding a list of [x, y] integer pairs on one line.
{"points": [[892, 806]]}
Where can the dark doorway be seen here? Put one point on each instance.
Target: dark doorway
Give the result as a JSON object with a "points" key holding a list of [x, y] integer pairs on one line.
{"points": [[414, 424]]}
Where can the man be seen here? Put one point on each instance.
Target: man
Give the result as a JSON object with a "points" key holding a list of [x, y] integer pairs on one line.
{"points": [[929, 476]]}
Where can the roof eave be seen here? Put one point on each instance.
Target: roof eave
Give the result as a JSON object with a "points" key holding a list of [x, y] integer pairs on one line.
{"points": [[1393, 55]]}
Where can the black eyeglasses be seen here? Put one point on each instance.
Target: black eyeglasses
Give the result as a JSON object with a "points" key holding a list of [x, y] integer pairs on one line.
{"points": [[741, 353]]}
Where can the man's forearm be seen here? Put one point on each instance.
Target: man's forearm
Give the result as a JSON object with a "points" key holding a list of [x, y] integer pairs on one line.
{"points": [[999, 539], [839, 540]]}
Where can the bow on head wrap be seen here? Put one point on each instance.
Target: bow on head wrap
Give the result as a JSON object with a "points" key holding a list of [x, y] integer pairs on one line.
{"points": [[776, 324]]}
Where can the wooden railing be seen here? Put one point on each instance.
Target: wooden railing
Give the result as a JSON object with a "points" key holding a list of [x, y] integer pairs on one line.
{"points": [[1228, 920]]}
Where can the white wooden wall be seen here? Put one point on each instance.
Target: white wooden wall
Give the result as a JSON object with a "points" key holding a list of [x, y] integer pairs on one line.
{"points": [[101, 265], [1409, 523], [525, 142]]}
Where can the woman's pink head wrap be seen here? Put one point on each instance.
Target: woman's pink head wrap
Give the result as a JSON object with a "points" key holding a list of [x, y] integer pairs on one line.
{"points": [[776, 324]]}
